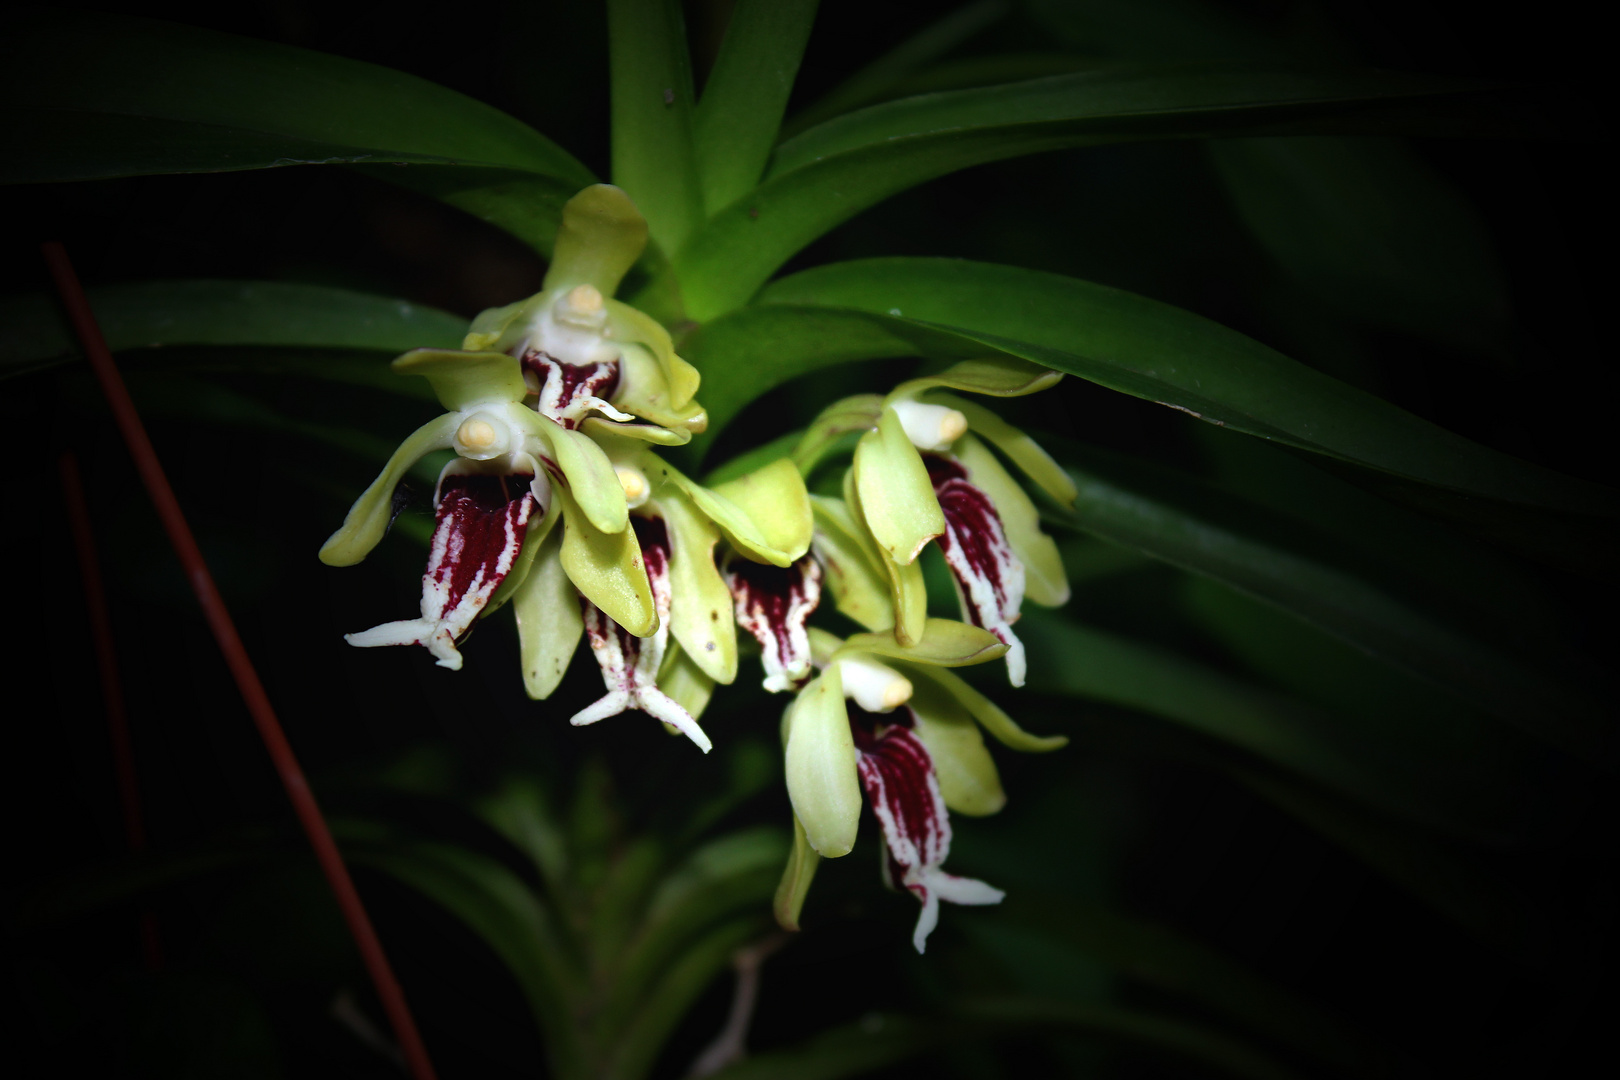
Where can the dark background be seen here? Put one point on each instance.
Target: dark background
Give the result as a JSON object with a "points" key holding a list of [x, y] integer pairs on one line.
{"points": [[1130, 815]]}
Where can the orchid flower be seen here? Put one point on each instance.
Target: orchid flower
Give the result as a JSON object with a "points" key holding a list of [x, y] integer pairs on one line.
{"points": [[534, 388], [911, 743], [921, 474], [765, 515]]}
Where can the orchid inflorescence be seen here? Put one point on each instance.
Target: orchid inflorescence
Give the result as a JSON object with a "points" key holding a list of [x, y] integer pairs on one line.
{"points": [[557, 503]]}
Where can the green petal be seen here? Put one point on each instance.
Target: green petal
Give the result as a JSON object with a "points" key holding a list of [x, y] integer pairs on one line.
{"points": [[750, 535], [489, 327], [896, 496], [823, 647], [591, 479], [700, 610], [524, 563], [644, 391], [682, 679], [1000, 726], [1020, 449], [464, 379], [943, 642], [1044, 580], [796, 878], [854, 571], [821, 777], [858, 413], [607, 568], [548, 619], [369, 517], [601, 428], [967, 774], [775, 500], [1001, 377], [908, 592], [601, 237], [635, 327]]}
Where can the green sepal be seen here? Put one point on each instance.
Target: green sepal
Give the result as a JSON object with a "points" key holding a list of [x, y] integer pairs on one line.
{"points": [[700, 607], [776, 501], [1045, 583], [592, 482], [548, 619], [908, 591], [968, 780], [854, 571], [999, 377], [632, 326], [943, 643], [607, 569], [852, 414], [461, 380], [1020, 449], [684, 681], [1003, 728], [601, 237], [524, 563], [796, 878], [896, 496], [820, 763], [369, 517]]}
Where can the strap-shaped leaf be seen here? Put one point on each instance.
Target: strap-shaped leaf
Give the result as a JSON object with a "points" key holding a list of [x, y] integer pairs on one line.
{"points": [[501, 908], [1469, 778], [749, 351], [831, 172], [653, 158], [735, 124], [146, 314], [1177, 519], [1155, 351], [141, 97]]}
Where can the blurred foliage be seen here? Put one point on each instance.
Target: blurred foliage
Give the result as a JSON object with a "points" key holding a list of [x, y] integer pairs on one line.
{"points": [[1336, 800]]}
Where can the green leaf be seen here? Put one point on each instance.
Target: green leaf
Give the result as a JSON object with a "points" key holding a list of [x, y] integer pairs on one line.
{"points": [[1461, 776], [150, 314], [735, 124], [1159, 957], [141, 97], [1373, 230], [880, 1039], [832, 172], [882, 76], [747, 352], [500, 908], [1181, 521], [1432, 871], [653, 156], [1161, 353]]}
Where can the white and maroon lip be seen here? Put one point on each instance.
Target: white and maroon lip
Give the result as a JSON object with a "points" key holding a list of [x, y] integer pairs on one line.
{"points": [[989, 576], [772, 603], [571, 392], [481, 521], [630, 664], [898, 775]]}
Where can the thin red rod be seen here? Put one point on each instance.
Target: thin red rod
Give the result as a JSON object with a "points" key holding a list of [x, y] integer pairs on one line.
{"points": [[230, 643], [112, 687]]}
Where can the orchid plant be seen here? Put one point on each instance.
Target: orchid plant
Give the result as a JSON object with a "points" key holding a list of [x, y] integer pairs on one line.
{"points": [[588, 475]]}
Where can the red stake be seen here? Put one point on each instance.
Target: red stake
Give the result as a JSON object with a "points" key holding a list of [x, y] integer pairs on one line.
{"points": [[230, 643]]}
